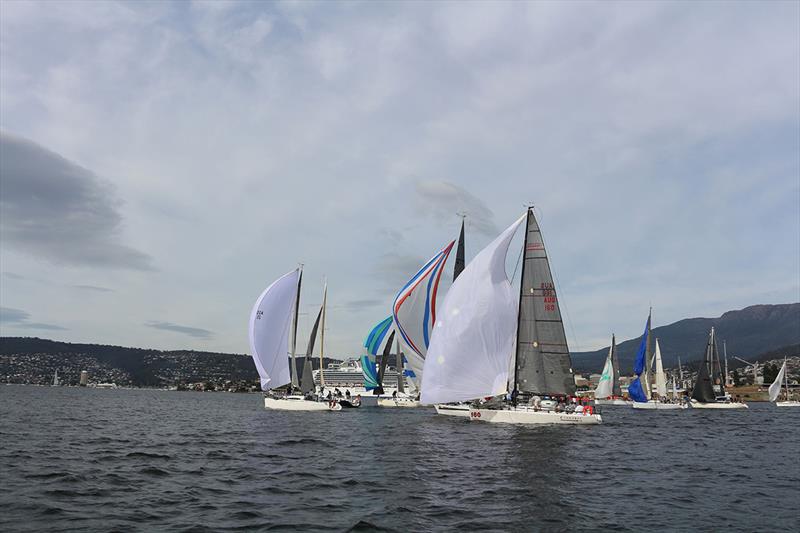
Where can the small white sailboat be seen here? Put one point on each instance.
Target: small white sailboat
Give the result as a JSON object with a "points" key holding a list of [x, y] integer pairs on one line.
{"points": [[775, 389], [608, 391], [56, 383], [269, 339], [482, 329], [660, 401], [709, 389]]}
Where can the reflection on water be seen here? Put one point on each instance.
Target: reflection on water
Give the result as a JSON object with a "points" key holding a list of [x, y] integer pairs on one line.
{"points": [[103, 459]]}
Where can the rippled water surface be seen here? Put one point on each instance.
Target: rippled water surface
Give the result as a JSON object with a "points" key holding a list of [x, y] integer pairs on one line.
{"points": [[145, 460]]}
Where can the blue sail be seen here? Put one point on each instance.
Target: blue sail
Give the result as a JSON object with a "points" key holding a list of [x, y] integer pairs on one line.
{"points": [[376, 336], [635, 389], [370, 371]]}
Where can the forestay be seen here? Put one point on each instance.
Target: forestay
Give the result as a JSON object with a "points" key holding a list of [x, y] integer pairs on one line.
{"points": [[473, 339], [269, 330]]}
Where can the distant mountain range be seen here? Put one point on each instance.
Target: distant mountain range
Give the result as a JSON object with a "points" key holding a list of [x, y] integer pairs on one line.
{"points": [[754, 332]]}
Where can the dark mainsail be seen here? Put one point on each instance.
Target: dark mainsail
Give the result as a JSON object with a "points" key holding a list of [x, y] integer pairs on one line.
{"points": [[703, 389], [307, 384], [385, 359], [542, 361], [293, 366], [460, 262], [616, 391]]}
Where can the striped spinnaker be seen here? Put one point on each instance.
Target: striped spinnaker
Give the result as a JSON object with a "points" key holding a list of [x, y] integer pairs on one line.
{"points": [[376, 336]]}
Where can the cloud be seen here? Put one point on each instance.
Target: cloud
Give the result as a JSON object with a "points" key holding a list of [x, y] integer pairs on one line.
{"points": [[197, 333], [18, 318], [92, 288], [394, 269], [54, 209], [12, 275], [443, 201], [357, 305]]}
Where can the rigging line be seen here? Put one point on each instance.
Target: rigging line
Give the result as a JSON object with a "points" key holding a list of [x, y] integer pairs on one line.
{"points": [[517, 265], [558, 285]]}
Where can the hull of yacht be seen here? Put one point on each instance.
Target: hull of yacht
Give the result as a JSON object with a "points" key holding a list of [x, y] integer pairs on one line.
{"points": [[718, 405], [790, 403], [615, 402], [658, 406], [398, 402], [521, 415], [300, 404], [453, 410]]}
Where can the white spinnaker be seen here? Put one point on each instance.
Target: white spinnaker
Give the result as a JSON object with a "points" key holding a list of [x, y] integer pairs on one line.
{"points": [[775, 388], [605, 387], [269, 330], [661, 377], [474, 335]]}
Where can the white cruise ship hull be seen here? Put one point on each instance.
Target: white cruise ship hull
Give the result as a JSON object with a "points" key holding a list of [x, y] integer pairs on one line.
{"points": [[299, 404], [523, 415], [790, 403], [720, 405], [658, 406], [453, 410]]}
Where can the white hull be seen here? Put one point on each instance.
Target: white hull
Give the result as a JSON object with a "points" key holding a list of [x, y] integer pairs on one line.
{"points": [[720, 405], [453, 410], [522, 415], [612, 402], [299, 404], [398, 402], [790, 403], [655, 405]]}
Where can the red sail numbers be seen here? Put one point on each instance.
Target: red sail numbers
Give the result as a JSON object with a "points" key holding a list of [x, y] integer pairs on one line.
{"points": [[549, 295]]}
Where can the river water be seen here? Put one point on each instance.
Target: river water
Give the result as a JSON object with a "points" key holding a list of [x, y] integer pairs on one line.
{"points": [[142, 460]]}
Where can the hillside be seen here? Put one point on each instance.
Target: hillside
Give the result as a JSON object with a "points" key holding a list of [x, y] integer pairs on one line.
{"points": [[749, 333]]}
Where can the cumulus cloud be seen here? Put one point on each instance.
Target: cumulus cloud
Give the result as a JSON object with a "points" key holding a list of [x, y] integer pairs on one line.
{"points": [[443, 201], [57, 210], [197, 333]]}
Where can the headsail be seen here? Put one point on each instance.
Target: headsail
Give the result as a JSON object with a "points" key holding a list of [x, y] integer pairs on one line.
{"points": [[414, 309], [703, 389], [307, 382], [605, 387], [543, 364], [473, 339], [636, 390], [458, 268], [661, 377], [775, 388], [269, 330]]}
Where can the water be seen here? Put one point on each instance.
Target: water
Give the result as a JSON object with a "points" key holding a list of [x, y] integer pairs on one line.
{"points": [[156, 460]]}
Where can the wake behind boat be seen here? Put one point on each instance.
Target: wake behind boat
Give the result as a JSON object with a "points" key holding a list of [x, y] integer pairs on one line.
{"points": [[473, 346]]}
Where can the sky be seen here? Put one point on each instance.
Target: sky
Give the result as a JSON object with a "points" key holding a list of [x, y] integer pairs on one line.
{"points": [[161, 163]]}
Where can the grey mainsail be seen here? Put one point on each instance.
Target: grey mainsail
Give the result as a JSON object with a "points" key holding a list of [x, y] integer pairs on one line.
{"points": [[385, 359], [307, 384], [460, 262], [542, 360], [616, 391], [293, 368], [703, 389]]}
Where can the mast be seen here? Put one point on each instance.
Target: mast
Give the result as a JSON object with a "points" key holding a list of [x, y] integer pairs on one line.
{"points": [[460, 263], [322, 335], [725, 352], [516, 366], [786, 378], [647, 385], [295, 381], [617, 390]]}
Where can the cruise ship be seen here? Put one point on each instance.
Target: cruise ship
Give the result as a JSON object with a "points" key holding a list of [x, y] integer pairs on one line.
{"points": [[348, 376]]}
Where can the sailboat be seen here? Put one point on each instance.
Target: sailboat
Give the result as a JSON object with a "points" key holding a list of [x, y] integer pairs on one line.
{"points": [[608, 391], [775, 389], [483, 332], [56, 383], [374, 375], [659, 400], [709, 388], [269, 339]]}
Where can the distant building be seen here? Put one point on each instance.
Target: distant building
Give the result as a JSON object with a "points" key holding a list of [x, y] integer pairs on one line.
{"points": [[594, 379], [84, 378]]}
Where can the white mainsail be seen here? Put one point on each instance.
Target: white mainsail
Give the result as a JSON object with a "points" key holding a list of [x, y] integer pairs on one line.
{"points": [[269, 330], [473, 338], [775, 388], [605, 387], [661, 377]]}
